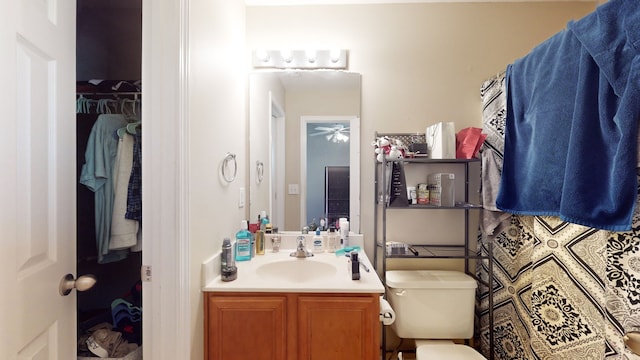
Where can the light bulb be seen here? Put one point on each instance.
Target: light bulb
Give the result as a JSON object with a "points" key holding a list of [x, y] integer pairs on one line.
{"points": [[263, 55], [311, 55], [334, 54], [287, 55]]}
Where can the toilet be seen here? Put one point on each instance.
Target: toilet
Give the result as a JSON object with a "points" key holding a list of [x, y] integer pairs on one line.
{"points": [[434, 307]]}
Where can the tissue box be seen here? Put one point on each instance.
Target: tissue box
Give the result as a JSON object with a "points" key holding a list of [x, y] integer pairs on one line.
{"points": [[397, 248], [441, 189]]}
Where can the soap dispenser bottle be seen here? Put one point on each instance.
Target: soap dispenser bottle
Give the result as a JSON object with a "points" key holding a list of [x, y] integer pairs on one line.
{"points": [[243, 242]]}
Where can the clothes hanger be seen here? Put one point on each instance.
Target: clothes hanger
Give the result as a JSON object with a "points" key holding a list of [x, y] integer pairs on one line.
{"points": [[121, 131], [131, 127]]}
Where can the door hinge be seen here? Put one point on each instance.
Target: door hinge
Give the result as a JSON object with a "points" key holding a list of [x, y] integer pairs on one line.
{"points": [[145, 272]]}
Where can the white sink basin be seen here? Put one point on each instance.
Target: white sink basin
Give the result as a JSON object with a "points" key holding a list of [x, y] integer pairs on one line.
{"points": [[296, 270], [279, 272]]}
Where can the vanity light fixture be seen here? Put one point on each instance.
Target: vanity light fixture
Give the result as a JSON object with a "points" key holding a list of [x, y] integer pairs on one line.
{"points": [[300, 59]]}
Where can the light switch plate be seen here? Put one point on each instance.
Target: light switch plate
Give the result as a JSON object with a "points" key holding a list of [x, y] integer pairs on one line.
{"points": [[241, 198], [293, 189]]}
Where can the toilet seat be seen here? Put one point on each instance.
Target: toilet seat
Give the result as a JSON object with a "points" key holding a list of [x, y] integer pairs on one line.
{"points": [[447, 351]]}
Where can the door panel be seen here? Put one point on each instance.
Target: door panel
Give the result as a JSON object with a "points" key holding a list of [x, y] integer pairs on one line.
{"points": [[38, 192]]}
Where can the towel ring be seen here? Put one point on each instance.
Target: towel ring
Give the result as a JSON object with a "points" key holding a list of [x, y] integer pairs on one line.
{"points": [[225, 163], [259, 171]]}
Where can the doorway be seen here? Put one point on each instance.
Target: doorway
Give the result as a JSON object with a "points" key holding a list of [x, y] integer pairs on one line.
{"points": [[108, 74], [352, 147], [327, 172]]}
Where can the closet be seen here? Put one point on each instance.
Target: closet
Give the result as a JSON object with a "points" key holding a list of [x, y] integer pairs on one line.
{"points": [[108, 74]]}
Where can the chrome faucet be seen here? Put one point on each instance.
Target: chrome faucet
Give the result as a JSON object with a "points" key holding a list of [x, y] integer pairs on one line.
{"points": [[301, 251]]}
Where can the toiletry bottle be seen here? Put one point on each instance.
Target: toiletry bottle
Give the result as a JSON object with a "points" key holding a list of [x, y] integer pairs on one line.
{"points": [[354, 265], [259, 242], [228, 269], [243, 242], [332, 240], [259, 234], [344, 232], [263, 220], [318, 242], [253, 244]]}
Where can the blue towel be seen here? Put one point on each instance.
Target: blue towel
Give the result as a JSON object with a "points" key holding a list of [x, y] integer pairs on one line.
{"points": [[572, 122]]}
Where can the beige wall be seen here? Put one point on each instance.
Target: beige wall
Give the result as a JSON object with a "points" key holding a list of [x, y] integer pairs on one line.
{"points": [[420, 63], [217, 125]]}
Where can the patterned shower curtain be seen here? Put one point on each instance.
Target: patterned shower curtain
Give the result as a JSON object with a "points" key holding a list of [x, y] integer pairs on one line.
{"points": [[560, 290]]}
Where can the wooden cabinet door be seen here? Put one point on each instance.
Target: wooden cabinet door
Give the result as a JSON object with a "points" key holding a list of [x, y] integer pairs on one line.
{"points": [[338, 327], [245, 327]]}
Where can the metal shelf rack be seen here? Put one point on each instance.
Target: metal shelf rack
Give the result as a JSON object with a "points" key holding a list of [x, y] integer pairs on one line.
{"points": [[428, 251]]}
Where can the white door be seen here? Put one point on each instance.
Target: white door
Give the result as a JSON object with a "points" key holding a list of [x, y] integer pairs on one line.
{"points": [[37, 181]]}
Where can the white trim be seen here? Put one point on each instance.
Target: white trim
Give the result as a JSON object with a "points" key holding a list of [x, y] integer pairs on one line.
{"points": [[354, 169], [166, 300], [184, 246], [277, 148], [354, 166]]}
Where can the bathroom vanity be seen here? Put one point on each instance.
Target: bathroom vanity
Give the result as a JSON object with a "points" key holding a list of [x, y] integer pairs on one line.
{"points": [[291, 326], [281, 307]]}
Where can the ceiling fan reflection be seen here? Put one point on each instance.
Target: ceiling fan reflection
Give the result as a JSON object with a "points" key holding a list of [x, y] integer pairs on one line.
{"points": [[337, 133]]}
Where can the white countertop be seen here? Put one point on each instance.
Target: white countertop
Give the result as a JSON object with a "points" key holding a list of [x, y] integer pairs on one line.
{"points": [[253, 278]]}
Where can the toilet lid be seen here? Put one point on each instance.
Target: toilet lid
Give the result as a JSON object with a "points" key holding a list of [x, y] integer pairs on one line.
{"points": [[449, 352]]}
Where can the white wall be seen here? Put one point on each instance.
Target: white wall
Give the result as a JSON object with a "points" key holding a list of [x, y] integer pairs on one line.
{"points": [[420, 63], [217, 125], [261, 85]]}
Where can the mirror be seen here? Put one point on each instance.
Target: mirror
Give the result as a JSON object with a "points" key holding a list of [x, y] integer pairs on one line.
{"points": [[289, 111]]}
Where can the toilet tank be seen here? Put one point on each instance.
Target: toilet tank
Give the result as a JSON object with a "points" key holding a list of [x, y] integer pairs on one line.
{"points": [[432, 304]]}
